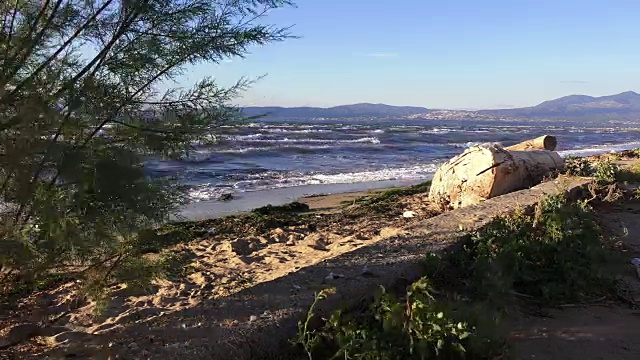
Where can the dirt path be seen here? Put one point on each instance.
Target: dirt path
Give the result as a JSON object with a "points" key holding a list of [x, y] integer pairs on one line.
{"points": [[599, 331]]}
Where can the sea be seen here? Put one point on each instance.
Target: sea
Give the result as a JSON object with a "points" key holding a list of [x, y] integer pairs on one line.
{"points": [[270, 162]]}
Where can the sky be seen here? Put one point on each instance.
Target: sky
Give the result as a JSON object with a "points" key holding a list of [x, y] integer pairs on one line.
{"points": [[453, 54]]}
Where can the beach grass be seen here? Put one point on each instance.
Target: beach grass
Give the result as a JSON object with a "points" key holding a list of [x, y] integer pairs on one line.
{"points": [[391, 194]]}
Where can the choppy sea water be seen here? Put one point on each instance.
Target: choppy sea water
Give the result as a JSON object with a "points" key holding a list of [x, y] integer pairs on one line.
{"points": [[267, 155]]}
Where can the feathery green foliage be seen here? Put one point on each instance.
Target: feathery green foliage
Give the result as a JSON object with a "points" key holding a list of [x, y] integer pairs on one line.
{"points": [[85, 99]]}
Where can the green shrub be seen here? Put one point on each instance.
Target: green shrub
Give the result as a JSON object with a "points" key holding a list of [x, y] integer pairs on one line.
{"points": [[414, 327], [306, 337], [606, 171], [576, 166], [552, 256]]}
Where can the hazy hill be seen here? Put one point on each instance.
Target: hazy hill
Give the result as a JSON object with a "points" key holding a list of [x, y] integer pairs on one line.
{"points": [[343, 111], [624, 105]]}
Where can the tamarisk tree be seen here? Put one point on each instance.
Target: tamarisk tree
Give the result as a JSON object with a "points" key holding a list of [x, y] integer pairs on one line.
{"points": [[82, 108]]}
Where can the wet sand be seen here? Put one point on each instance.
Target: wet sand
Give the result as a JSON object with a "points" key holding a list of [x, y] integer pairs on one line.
{"points": [[318, 197]]}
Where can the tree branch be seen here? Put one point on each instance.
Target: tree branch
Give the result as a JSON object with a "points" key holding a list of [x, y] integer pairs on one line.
{"points": [[19, 59], [48, 61]]}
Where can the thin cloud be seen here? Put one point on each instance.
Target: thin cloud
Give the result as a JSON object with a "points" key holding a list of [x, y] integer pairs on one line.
{"points": [[574, 82], [383, 54]]}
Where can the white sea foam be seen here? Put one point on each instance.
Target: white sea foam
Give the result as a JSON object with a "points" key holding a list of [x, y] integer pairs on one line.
{"points": [[464, 145], [272, 180], [260, 148], [348, 127], [302, 131], [241, 150], [437, 131], [372, 140], [404, 127], [600, 149], [249, 137]]}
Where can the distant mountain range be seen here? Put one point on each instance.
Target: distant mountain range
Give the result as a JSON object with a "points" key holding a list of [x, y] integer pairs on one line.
{"points": [[343, 111], [623, 106]]}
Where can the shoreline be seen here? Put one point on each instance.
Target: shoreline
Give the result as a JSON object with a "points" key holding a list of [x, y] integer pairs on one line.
{"points": [[328, 197], [319, 198]]}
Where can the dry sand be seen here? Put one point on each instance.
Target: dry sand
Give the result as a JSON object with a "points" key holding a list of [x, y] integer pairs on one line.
{"points": [[222, 263]]}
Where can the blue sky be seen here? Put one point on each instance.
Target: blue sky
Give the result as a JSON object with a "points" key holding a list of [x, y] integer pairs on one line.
{"points": [[459, 54]]}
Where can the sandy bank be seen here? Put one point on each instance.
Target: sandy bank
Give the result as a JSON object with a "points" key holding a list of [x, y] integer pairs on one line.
{"points": [[317, 196]]}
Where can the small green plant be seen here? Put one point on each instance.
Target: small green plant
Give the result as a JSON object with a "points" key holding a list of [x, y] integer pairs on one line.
{"points": [[306, 337], [614, 157], [606, 172], [576, 166], [416, 326]]}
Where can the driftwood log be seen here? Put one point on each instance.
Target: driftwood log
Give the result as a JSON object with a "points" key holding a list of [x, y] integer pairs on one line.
{"points": [[545, 142], [485, 171]]}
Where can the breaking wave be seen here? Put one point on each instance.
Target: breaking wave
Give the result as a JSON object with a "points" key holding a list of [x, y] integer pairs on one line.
{"points": [[274, 180]]}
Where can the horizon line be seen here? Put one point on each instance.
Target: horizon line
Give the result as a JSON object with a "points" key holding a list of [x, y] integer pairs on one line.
{"points": [[497, 107]]}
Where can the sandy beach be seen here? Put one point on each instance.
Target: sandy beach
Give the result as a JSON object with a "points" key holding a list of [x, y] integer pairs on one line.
{"points": [[219, 262]]}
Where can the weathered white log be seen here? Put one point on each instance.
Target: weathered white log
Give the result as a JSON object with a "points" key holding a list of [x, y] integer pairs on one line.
{"points": [[489, 170], [545, 142]]}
